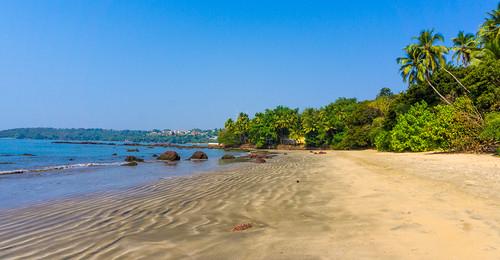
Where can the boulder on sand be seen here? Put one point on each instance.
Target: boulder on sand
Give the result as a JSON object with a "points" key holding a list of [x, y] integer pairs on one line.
{"points": [[169, 156], [228, 157], [132, 158], [198, 155]]}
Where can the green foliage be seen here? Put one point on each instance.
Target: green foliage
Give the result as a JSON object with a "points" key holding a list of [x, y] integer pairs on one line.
{"points": [[491, 130], [441, 109], [416, 130]]}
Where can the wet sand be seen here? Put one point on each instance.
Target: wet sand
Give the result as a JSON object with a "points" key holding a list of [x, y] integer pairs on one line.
{"points": [[345, 205]]}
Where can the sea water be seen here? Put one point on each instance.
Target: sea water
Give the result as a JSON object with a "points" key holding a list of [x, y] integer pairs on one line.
{"points": [[48, 171]]}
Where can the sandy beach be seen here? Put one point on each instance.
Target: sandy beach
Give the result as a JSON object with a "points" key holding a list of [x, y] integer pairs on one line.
{"points": [[340, 205]]}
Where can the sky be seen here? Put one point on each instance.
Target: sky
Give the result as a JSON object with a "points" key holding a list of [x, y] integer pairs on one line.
{"points": [[183, 64]]}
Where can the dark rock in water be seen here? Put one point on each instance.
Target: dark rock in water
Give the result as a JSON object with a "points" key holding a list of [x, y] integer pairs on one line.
{"points": [[228, 157], [71, 159], [6, 163], [131, 158], [132, 150], [155, 155], [198, 155], [260, 160], [169, 156], [27, 154], [130, 164], [114, 154]]}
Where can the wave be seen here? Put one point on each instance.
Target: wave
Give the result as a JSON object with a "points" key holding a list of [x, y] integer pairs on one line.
{"points": [[60, 167]]}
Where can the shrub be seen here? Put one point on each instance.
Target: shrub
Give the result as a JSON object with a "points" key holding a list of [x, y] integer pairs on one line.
{"points": [[383, 141], [491, 130], [417, 130]]}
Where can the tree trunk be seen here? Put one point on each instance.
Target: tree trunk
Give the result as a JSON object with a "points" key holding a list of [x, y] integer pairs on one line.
{"points": [[458, 81], [437, 92]]}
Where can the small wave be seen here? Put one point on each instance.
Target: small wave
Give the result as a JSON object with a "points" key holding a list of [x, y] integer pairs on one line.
{"points": [[60, 167]]}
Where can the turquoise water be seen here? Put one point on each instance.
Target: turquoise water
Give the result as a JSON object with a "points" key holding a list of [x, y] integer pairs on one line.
{"points": [[57, 171]]}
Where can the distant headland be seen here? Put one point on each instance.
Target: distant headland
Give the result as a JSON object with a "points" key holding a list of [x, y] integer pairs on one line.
{"points": [[98, 134]]}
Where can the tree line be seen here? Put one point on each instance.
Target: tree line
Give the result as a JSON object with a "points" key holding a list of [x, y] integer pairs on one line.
{"points": [[448, 105], [97, 134]]}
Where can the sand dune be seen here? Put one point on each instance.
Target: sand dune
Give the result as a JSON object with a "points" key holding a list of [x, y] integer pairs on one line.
{"points": [[348, 205]]}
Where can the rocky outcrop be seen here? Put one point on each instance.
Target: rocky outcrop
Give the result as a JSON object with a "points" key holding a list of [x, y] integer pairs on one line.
{"points": [[198, 155], [169, 156]]}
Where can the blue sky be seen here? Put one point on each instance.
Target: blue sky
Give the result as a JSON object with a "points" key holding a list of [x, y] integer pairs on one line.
{"points": [[185, 64]]}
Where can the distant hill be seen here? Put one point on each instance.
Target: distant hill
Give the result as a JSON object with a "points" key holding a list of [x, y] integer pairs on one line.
{"points": [[81, 134]]}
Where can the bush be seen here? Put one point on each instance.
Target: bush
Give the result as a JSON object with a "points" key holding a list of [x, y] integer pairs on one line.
{"points": [[491, 130], [383, 141], [417, 131]]}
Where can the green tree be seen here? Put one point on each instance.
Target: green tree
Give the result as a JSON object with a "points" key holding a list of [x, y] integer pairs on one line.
{"points": [[463, 46], [415, 67]]}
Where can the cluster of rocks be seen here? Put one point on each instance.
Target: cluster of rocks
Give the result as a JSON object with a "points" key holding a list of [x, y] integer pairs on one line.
{"points": [[132, 160], [172, 156], [256, 156]]}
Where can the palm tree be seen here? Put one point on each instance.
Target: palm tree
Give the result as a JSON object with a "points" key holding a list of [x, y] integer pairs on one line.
{"points": [[488, 39], [490, 30], [463, 46], [421, 60]]}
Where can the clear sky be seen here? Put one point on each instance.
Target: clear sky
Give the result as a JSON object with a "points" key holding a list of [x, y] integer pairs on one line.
{"points": [[184, 64]]}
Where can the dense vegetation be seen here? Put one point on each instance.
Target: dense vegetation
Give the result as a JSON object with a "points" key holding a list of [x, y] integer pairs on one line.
{"points": [[450, 106], [80, 134]]}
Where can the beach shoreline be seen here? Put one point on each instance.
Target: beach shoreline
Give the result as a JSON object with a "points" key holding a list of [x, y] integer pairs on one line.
{"points": [[342, 204]]}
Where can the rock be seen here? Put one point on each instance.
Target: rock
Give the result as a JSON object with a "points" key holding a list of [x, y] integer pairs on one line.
{"points": [[71, 159], [155, 155], [132, 150], [260, 160], [27, 154], [114, 154], [130, 164], [321, 152], [198, 155], [298, 181], [131, 158], [228, 157], [241, 227], [169, 156]]}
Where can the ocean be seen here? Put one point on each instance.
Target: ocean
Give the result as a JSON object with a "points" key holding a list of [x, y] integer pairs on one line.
{"points": [[52, 171]]}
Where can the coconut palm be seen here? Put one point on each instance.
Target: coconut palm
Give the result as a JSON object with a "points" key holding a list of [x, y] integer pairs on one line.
{"points": [[433, 55], [489, 38], [463, 46], [419, 63], [490, 30]]}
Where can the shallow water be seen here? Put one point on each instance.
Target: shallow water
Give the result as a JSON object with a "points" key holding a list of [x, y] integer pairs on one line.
{"points": [[61, 170]]}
